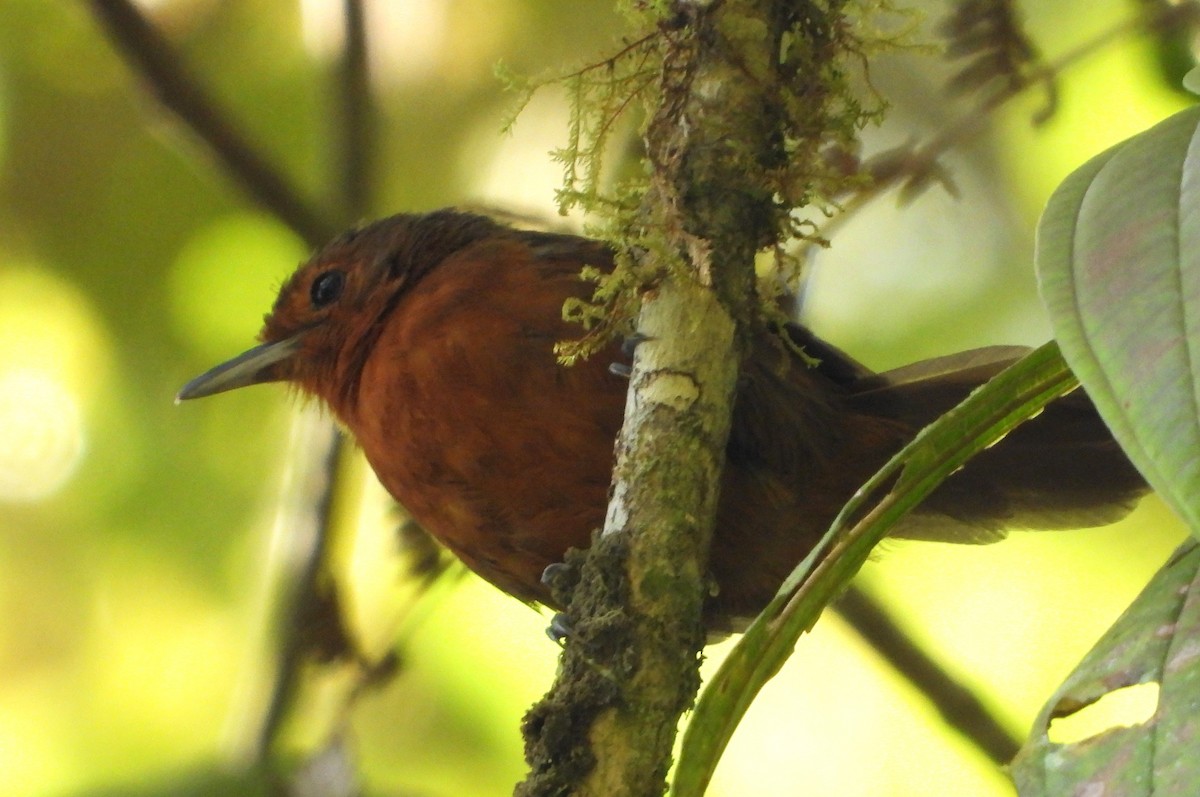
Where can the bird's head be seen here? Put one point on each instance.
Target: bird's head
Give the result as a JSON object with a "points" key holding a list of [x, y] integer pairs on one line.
{"points": [[330, 312]]}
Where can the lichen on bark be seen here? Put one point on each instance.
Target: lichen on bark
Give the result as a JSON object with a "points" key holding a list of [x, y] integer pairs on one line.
{"points": [[747, 94]]}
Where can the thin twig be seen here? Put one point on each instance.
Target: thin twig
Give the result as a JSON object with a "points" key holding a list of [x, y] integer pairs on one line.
{"points": [[153, 58], [313, 604], [957, 704], [311, 625], [923, 159], [357, 130], [311, 618]]}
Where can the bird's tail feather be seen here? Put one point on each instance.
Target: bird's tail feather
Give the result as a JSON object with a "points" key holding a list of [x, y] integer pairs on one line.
{"points": [[1062, 469]]}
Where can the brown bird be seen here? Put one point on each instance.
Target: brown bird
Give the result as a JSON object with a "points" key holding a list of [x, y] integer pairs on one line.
{"points": [[431, 338]]}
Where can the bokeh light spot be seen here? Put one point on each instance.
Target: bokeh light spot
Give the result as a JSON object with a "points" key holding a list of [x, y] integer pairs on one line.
{"points": [[52, 361], [420, 40], [41, 435], [47, 325]]}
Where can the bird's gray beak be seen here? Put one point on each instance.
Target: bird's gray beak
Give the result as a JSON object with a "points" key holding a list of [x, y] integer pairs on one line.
{"points": [[253, 367]]}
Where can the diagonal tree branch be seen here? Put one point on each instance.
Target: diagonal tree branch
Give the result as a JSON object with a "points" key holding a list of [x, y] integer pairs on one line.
{"points": [[960, 707], [152, 57]]}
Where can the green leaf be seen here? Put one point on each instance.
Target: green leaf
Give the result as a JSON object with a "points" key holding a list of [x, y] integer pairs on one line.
{"points": [[1117, 256], [1156, 641], [1191, 81], [989, 413]]}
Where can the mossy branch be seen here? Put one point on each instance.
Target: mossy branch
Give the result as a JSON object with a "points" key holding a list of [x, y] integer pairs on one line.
{"points": [[746, 93], [816, 100]]}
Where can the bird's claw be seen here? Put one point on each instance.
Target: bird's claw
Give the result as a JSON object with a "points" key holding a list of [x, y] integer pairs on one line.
{"points": [[628, 345], [556, 574], [559, 629]]}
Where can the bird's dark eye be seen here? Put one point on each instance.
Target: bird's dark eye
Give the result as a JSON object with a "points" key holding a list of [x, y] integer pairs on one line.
{"points": [[326, 288]]}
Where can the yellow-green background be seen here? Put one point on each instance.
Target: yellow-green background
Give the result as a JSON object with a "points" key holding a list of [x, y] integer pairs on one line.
{"points": [[134, 533]]}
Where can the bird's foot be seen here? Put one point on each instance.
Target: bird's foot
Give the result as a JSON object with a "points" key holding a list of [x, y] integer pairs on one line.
{"points": [[628, 346], [559, 629], [560, 578]]}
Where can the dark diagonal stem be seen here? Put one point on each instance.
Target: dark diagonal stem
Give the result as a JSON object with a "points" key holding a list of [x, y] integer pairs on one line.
{"points": [[152, 57]]}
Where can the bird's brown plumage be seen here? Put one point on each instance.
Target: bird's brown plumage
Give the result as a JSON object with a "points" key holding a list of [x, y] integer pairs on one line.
{"points": [[431, 338]]}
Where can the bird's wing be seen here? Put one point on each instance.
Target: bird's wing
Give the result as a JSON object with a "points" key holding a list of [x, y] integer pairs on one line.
{"points": [[1061, 469]]}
